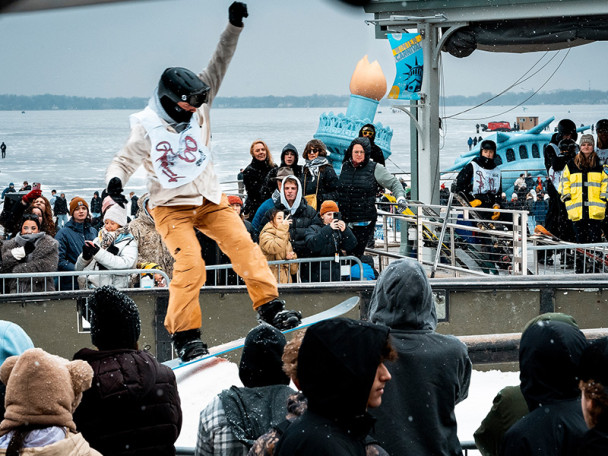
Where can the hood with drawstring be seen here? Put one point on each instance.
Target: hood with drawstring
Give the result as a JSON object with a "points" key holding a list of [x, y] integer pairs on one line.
{"points": [[296, 204]]}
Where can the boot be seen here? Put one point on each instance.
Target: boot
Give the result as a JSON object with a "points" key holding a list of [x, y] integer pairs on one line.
{"points": [[188, 344], [274, 314]]}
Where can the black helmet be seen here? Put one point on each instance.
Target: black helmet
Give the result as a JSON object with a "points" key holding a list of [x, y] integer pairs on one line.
{"points": [[601, 125], [566, 127], [180, 84], [487, 144]]}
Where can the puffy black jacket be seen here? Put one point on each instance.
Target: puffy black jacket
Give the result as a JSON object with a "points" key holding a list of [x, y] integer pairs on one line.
{"points": [[133, 407], [326, 242], [254, 177], [327, 188], [358, 186]]}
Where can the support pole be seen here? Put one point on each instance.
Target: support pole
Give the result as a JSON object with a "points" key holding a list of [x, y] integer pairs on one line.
{"points": [[428, 146]]}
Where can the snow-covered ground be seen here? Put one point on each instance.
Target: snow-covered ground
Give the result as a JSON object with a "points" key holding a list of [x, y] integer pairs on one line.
{"points": [[198, 385]]}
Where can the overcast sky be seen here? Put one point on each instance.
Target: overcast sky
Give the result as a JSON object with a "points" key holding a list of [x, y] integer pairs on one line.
{"points": [[288, 47]]}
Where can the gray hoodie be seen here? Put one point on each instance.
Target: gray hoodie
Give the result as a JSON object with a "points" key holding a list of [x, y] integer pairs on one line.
{"points": [[431, 375]]}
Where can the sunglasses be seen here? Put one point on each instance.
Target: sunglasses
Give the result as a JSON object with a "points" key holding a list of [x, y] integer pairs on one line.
{"points": [[315, 150], [367, 133]]}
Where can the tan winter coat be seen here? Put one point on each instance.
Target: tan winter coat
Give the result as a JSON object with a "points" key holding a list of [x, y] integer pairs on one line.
{"points": [[72, 445], [136, 151], [275, 244], [151, 248]]}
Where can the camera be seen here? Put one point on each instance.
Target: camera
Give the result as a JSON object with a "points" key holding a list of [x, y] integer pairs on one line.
{"points": [[337, 216]]}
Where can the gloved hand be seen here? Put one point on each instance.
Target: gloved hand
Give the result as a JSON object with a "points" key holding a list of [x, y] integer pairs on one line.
{"points": [[31, 196], [89, 250], [401, 204], [475, 202], [18, 253], [115, 192], [236, 12], [29, 247], [566, 197], [496, 214]]}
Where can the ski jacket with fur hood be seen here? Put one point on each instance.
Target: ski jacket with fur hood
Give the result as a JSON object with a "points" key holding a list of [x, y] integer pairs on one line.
{"points": [[431, 374], [337, 365]]}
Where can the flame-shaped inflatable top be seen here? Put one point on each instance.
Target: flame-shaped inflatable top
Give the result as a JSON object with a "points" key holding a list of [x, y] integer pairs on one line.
{"points": [[368, 80]]}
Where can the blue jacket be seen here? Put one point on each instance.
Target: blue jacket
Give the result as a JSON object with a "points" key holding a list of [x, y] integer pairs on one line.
{"points": [[71, 240]]}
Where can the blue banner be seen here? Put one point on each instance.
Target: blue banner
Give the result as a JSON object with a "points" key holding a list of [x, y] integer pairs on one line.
{"points": [[407, 50]]}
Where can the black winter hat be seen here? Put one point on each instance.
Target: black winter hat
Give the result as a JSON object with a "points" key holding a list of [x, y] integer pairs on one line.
{"points": [[114, 319], [594, 362], [261, 363]]}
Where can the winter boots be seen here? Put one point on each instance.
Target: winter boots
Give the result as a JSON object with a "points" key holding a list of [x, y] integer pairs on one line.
{"points": [[274, 314], [188, 344]]}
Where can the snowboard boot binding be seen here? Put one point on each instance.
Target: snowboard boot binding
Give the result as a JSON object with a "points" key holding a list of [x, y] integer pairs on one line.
{"points": [[188, 344], [274, 314]]}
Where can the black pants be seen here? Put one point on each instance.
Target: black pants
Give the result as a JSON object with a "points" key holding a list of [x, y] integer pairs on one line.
{"points": [[588, 231], [363, 235]]}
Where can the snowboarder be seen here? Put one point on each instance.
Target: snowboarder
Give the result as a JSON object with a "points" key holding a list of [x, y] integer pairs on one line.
{"points": [[171, 138]]}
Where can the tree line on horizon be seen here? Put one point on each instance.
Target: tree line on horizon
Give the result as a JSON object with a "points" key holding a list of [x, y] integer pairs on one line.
{"points": [[64, 102]]}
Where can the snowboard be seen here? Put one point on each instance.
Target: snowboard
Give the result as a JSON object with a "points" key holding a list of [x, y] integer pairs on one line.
{"points": [[335, 311]]}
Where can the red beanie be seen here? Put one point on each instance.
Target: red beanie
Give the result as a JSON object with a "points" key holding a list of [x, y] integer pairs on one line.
{"points": [[233, 199]]}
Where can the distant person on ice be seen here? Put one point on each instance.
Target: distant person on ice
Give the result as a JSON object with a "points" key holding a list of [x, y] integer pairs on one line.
{"points": [[171, 138], [3, 149]]}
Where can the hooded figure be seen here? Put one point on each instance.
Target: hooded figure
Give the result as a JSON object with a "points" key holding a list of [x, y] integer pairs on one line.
{"points": [[549, 355], [292, 162], [359, 181], [133, 407], [299, 211], [369, 131], [236, 417], [337, 365], [431, 367]]}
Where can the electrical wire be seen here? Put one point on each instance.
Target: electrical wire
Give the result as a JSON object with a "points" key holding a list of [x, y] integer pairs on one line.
{"points": [[524, 101], [519, 81]]}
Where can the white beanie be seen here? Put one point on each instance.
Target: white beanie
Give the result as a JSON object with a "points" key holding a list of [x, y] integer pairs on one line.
{"points": [[117, 214]]}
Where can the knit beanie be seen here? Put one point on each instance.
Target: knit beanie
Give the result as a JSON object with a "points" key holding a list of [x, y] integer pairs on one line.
{"points": [[76, 203], [42, 389], [116, 214], [328, 206], [587, 139], [114, 319], [233, 199], [106, 203], [13, 340], [261, 363]]}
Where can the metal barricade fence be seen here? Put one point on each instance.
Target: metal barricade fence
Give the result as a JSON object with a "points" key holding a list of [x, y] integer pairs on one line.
{"points": [[565, 258], [314, 266], [469, 246], [224, 275], [29, 277]]}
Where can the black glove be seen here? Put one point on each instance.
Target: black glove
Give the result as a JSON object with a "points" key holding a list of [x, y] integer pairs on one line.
{"points": [[236, 12], [29, 247], [115, 192], [89, 250]]}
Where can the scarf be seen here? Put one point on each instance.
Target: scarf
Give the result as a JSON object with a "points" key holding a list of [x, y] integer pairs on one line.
{"points": [[22, 239], [107, 238], [314, 165]]}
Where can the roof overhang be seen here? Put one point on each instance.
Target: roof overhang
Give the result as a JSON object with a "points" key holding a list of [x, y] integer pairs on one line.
{"points": [[497, 25]]}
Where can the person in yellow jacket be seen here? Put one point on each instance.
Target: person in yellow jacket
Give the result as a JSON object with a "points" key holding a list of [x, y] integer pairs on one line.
{"points": [[274, 242], [584, 190]]}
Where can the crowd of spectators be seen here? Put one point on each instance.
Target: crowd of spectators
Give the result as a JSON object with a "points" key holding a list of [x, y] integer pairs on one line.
{"points": [[387, 385]]}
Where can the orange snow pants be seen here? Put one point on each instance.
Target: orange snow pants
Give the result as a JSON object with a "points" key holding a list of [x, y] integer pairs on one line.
{"points": [[219, 222]]}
